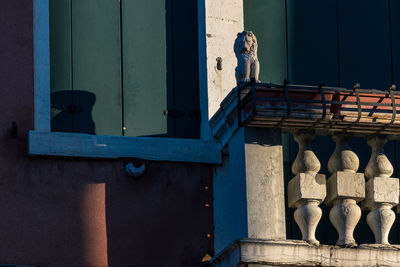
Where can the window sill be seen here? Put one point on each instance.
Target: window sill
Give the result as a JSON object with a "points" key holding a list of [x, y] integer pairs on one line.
{"points": [[111, 147]]}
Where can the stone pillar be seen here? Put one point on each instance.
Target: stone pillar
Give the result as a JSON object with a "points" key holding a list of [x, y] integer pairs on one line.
{"points": [[345, 187], [382, 192], [307, 189], [249, 188]]}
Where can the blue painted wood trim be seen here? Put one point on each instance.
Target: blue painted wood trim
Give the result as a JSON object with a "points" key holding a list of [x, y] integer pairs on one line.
{"points": [[98, 146], [41, 64]]}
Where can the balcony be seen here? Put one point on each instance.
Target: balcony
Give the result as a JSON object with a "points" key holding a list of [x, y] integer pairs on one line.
{"points": [[342, 114]]}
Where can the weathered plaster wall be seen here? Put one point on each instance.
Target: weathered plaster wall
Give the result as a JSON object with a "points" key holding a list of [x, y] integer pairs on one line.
{"points": [[224, 19], [75, 212]]}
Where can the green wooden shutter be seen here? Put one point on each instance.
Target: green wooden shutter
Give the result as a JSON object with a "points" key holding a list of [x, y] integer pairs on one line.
{"points": [[86, 66], [109, 63], [144, 67], [96, 57]]}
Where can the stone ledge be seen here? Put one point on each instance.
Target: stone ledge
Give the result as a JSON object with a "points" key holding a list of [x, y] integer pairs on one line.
{"points": [[246, 252]]}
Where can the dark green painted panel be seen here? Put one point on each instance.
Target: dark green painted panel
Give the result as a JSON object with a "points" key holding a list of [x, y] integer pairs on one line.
{"points": [[364, 39], [144, 67], [97, 66], [266, 18], [395, 33], [185, 70], [364, 46], [60, 64], [364, 43], [312, 42]]}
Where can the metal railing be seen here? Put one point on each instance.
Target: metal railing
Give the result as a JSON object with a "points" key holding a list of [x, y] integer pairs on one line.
{"points": [[325, 109]]}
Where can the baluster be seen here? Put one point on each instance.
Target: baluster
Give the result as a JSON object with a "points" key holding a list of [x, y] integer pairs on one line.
{"points": [[345, 187], [382, 192], [307, 189]]}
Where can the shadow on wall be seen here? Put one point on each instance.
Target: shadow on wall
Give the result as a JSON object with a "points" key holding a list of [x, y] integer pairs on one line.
{"points": [[69, 212], [71, 111], [161, 219]]}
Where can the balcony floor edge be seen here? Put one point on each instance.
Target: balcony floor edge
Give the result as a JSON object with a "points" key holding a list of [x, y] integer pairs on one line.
{"points": [[246, 252]]}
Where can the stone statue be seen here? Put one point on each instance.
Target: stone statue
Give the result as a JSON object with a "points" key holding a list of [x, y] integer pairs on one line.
{"points": [[245, 48]]}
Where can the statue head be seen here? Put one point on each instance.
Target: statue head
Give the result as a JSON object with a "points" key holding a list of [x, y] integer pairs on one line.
{"points": [[246, 42]]}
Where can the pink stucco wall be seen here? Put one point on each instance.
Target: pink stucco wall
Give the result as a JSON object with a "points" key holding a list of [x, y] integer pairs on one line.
{"points": [[75, 212]]}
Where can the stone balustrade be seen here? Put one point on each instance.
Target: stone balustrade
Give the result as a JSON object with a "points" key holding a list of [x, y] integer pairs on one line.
{"points": [[343, 189], [249, 196], [307, 189]]}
